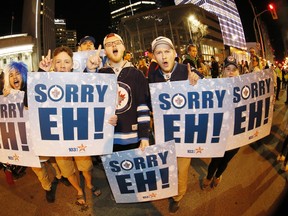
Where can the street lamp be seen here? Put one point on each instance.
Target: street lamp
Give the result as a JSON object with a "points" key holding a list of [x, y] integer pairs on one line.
{"points": [[193, 26], [258, 26], [189, 20], [272, 9], [273, 12], [255, 20], [197, 30]]}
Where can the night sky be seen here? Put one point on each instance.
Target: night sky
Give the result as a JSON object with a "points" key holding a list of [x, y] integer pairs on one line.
{"points": [[7, 10], [90, 18], [93, 18], [273, 26]]}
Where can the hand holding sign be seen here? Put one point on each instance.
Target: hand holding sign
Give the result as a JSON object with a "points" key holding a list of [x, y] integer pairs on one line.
{"points": [[113, 120], [6, 91], [46, 63], [144, 144], [94, 61]]}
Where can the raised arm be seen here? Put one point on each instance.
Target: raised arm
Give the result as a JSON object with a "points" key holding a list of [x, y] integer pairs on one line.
{"points": [[46, 62], [94, 61]]}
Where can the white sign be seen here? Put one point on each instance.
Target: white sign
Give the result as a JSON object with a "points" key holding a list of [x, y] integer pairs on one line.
{"points": [[140, 176], [15, 146], [70, 112], [205, 118]]}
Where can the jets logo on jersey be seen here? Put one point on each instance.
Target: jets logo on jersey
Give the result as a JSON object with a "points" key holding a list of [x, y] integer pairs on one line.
{"points": [[124, 98]]}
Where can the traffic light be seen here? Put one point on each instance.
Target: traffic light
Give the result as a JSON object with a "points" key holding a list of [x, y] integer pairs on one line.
{"points": [[272, 10]]}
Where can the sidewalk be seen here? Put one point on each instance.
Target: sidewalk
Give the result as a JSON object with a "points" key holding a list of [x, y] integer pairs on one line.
{"points": [[253, 184]]}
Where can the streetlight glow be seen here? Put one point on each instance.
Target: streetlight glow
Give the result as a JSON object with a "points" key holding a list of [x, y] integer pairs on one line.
{"points": [[191, 18], [271, 7]]}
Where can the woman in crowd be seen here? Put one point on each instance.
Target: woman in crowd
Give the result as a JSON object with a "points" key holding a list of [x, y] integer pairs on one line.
{"points": [[16, 81], [219, 164], [255, 64]]}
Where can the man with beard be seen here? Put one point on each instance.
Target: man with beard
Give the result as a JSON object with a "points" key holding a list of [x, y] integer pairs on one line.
{"points": [[132, 129]]}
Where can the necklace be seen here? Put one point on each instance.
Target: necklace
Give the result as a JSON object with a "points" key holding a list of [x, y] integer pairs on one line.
{"points": [[167, 76], [117, 70]]}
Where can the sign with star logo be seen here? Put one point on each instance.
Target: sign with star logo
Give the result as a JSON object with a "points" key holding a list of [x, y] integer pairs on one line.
{"points": [[16, 146], [72, 111], [215, 115], [139, 176]]}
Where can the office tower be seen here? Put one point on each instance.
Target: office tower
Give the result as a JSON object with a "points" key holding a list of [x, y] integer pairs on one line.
{"points": [[38, 22], [229, 19], [125, 8]]}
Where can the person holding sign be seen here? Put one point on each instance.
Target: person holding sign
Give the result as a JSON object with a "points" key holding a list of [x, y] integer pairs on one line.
{"points": [[87, 43], [16, 80], [132, 129], [63, 62], [43, 177], [170, 70], [219, 164]]}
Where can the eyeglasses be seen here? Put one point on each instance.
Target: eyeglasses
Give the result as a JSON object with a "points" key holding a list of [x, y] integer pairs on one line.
{"points": [[109, 44]]}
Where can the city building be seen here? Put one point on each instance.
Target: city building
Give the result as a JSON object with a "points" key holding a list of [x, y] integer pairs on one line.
{"points": [[125, 8], [64, 36], [230, 23], [71, 39], [41, 32], [174, 22], [38, 22], [17, 47], [37, 38], [60, 32]]}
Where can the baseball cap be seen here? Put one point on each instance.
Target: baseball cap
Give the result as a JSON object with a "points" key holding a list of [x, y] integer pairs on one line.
{"points": [[161, 40], [230, 60], [112, 35], [87, 38]]}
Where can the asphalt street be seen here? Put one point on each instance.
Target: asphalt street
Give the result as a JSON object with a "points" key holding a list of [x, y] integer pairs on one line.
{"points": [[252, 185]]}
